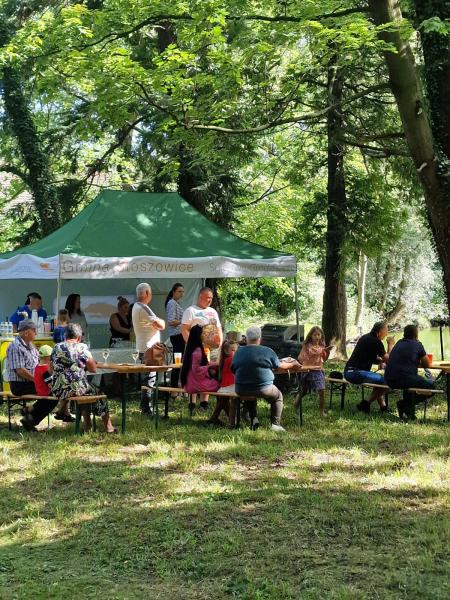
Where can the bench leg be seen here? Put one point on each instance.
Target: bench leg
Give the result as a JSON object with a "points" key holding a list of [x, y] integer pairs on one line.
{"points": [[343, 396], [331, 393], [166, 405], [77, 419], [94, 422], [238, 413], [425, 408], [124, 404], [300, 411], [191, 409], [448, 396], [362, 394], [156, 402], [9, 414], [386, 397]]}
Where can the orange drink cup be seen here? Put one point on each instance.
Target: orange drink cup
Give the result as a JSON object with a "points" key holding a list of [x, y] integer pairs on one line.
{"points": [[430, 358], [177, 358]]}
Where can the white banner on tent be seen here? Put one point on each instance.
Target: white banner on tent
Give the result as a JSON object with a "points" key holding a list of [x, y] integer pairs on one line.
{"points": [[27, 266], [87, 267]]}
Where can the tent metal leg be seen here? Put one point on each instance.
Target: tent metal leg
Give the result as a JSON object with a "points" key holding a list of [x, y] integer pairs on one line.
{"points": [[297, 311]]}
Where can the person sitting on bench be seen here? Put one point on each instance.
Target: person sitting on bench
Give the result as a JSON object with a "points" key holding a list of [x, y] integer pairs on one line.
{"points": [[368, 351], [69, 362], [401, 371], [253, 366], [22, 359], [197, 373]]}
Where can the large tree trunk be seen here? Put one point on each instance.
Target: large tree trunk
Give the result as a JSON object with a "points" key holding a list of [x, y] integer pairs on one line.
{"points": [[387, 279], [427, 146], [334, 317], [436, 53], [392, 316], [361, 304]]}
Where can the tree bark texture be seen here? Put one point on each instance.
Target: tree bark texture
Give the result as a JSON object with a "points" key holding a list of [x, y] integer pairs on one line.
{"points": [[361, 304], [427, 127], [334, 317]]}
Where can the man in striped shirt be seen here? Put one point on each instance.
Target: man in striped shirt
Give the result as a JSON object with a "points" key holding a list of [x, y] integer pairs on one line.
{"points": [[22, 359]]}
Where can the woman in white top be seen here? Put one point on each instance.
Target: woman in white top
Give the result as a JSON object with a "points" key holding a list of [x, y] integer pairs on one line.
{"points": [[76, 315], [174, 314]]}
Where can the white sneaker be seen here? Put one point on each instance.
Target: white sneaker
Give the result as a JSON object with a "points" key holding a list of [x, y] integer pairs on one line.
{"points": [[277, 428]]}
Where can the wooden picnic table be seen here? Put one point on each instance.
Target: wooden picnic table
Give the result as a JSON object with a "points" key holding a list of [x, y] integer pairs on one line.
{"points": [[444, 366], [129, 369]]}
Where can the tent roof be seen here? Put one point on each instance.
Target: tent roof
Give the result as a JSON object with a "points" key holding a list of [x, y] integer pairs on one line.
{"points": [[129, 224]]}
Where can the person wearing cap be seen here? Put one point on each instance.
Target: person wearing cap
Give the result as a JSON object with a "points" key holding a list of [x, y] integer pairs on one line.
{"points": [[22, 358], [33, 302], [42, 375]]}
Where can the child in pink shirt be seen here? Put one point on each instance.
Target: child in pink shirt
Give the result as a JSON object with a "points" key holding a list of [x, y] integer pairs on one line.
{"points": [[197, 374], [313, 354]]}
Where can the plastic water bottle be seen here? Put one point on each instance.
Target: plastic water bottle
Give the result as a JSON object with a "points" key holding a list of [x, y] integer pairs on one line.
{"points": [[34, 317], [47, 327], [40, 327]]}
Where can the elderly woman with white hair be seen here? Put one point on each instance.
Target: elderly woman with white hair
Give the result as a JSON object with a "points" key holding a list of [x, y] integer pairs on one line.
{"points": [[147, 327], [253, 367]]}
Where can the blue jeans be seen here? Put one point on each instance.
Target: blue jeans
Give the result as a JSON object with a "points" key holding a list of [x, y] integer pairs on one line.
{"points": [[359, 376]]}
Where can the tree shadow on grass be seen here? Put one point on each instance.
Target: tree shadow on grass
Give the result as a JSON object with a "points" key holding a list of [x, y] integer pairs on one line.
{"points": [[158, 529]]}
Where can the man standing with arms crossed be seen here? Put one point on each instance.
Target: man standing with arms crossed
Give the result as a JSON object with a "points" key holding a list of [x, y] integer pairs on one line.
{"points": [[147, 327], [201, 313]]}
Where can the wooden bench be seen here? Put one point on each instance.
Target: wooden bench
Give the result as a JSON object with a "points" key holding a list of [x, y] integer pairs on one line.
{"points": [[176, 390], [338, 385], [426, 392], [83, 401], [12, 400]]}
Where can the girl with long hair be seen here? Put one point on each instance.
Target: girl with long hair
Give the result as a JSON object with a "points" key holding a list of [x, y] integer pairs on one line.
{"points": [[313, 354], [174, 314], [76, 315], [197, 374]]}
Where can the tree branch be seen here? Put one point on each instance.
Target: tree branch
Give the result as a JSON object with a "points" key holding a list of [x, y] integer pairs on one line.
{"points": [[120, 138], [295, 119], [151, 102], [263, 196], [375, 151], [16, 171], [155, 19]]}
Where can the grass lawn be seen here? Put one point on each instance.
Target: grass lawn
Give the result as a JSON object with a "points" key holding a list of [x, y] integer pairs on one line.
{"points": [[347, 507]]}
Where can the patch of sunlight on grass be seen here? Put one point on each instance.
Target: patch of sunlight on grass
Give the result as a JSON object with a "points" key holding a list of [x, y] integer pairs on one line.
{"points": [[34, 531]]}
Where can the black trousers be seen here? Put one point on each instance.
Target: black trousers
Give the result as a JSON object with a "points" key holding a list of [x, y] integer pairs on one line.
{"points": [[147, 396], [410, 399], [41, 408], [178, 345]]}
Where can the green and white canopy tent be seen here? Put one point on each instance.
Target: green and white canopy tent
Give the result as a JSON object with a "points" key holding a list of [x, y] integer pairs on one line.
{"points": [[123, 236]]}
